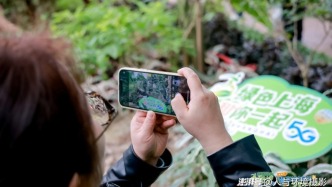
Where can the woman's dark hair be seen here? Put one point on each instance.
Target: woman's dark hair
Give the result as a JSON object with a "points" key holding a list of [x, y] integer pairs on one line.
{"points": [[46, 133]]}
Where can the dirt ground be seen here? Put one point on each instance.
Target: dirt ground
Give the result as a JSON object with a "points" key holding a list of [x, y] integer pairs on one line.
{"points": [[117, 137]]}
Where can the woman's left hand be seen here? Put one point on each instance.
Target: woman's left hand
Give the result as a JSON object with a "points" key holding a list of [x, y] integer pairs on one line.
{"points": [[149, 135]]}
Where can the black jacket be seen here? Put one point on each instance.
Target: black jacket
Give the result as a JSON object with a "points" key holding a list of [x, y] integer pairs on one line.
{"points": [[238, 160]]}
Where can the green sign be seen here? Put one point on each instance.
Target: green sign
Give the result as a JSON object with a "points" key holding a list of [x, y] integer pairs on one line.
{"points": [[152, 103], [292, 121]]}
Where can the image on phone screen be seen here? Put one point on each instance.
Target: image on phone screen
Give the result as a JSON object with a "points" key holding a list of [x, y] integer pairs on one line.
{"points": [[151, 91]]}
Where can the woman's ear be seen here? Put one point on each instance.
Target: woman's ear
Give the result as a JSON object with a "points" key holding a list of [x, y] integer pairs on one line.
{"points": [[75, 181]]}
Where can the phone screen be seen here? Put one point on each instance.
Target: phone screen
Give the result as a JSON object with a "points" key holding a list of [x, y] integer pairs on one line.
{"points": [[151, 91]]}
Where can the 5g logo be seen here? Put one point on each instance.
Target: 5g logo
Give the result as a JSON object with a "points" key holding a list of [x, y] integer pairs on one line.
{"points": [[297, 131]]}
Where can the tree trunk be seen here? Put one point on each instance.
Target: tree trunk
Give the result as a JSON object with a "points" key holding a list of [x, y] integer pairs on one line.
{"points": [[199, 36]]}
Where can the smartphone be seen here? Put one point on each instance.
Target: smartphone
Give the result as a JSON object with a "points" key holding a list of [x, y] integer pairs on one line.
{"points": [[142, 89]]}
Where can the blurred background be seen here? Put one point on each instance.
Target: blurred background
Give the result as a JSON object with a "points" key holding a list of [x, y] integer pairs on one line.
{"points": [[291, 39]]}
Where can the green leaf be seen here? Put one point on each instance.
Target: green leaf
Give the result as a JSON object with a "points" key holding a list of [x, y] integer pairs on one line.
{"points": [[113, 50], [257, 9], [193, 155], [318, 169], [276, 161]]}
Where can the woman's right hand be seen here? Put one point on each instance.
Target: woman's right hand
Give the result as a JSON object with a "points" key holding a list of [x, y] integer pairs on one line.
{"points": [[202, 117]]}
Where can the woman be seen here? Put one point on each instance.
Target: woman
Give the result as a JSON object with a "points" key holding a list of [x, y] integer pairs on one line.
{"points": [[46, 134]]}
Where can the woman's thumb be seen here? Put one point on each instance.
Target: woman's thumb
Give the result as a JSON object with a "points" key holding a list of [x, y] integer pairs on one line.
{"points": [[149, 122]]}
